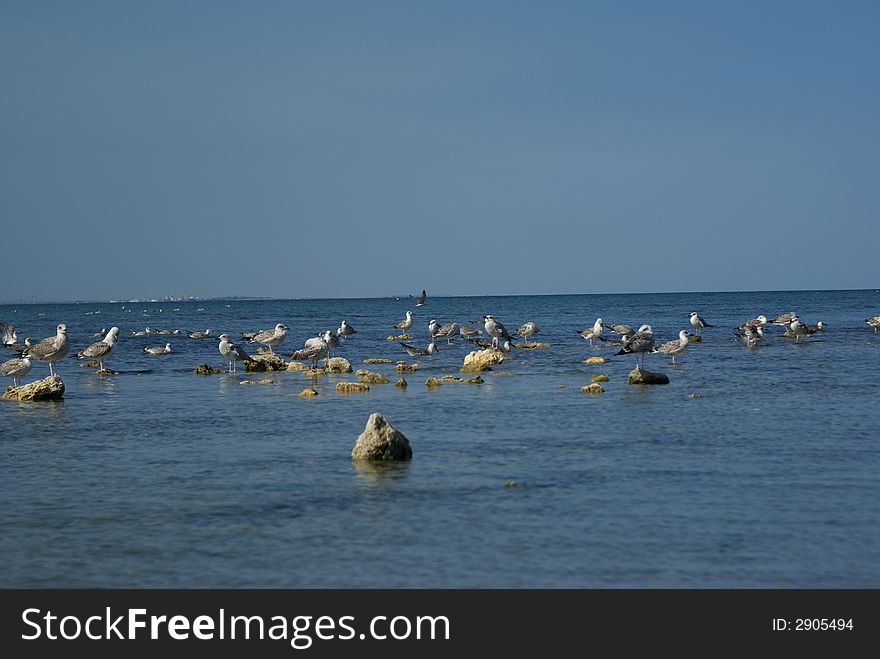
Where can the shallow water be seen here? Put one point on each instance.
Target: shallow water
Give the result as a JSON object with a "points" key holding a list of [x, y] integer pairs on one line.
{"points": [[156, 477]]}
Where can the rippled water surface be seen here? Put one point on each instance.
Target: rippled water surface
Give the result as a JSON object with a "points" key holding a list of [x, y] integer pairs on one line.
{"points": [[156, 477]]}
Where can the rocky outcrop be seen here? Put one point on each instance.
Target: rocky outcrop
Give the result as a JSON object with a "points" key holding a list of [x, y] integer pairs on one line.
{"points": [[265, 362], [297, 366], [534, 345], [373, 360], [594, 360], [641, 376], [481, 360], [381, 441], [50, 388], [106, 371], [369, 377], [475, 380], [307, 392], [451, 378], [206, 369], [401, 383], [351, 387], [593, 388], [599, 377], [337, 365], [403, 367], [433, 382], [694, 338], [399, 337]]}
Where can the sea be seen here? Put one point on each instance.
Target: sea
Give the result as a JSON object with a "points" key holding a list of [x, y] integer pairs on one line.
{"points": [[752, 468]]}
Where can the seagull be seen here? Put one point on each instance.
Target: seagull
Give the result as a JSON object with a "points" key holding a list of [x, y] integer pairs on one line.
{"points": [[248, 335], [101, 333], [752, 335], [345, 329], [595, 332], [623, 330], [468, 332], [760, 321], [796, 327], [638, 344], [331, 338], [496, 330], [272, 337], [102, 349], [177, 331], [415, 351], [445, 331], [233, 352], [315, 348], [420, 300], [698, 322], [158, 350], [874, 322], [817, 327], [674, 348], [145, 332], [51, 349], [7, 333], [784, 319], [19, 347], [199, 335], [406, 323], [528, 330], [16, 368], [480, 343]]}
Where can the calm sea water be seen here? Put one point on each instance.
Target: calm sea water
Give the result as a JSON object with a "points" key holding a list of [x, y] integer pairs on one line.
{"points": [[157, 477]]}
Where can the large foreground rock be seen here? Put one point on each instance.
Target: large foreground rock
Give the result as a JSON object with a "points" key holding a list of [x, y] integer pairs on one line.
{"points": [[641, 376], [381, 441], [50, 388], [480, 360]]}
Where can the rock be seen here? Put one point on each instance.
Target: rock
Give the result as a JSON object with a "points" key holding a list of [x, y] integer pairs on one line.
{"points": [[433, 382], [50, 388], [308, 391], [377, 361], [266, 381], [502, 374], [265, 362], [450, 378], [372, 378], [594, 360], [399, 337], [593, 388], [640, 376], [599, 377], [314, 372], [695, 338], [401, 383], [107, 371], [297, 366], [205, 369], [534, 345], [510, 484], [381, 441], [337, 365], [93, 364], [403, 367], [351, 387], [695, 395], [481, 360], [475, 380]]}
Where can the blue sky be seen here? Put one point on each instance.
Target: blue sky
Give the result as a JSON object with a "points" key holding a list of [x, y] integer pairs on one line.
{"points": [[345, 149]]}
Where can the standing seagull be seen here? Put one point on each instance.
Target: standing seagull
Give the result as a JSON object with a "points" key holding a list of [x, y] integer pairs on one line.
{"points": [[496, 330], [420, 300], [102, 349], [674, 348], [698, 322], [638, 344], [272, 337], [444, 331], [797, 328], [16, 368], [51, 349], [469, 332], [528, 330], [315, 348], [784, 319], [233, 352], [406, 323], [595, 332], [760, 321]]}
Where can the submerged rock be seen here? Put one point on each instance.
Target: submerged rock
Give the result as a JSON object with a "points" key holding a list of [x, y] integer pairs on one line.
{"points": [[399, 337], [314, 372], [451, 378], [265, 362], [641, 376], [401, 383], [403, 367], [351, 387], [337, 365], [372, 378], [372, 360], [481, 360], [206, 369], [599, 377], [534, 345], [266, 381], [381, 441], [695, 338], [475, 380], [297, 366], [502, 374], [308, 391], [50, 388], [433, 382], [593, 388], [594, 360], [695, 395], [107, 371]]}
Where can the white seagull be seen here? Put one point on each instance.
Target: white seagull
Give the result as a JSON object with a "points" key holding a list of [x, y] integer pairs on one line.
{"points": [[496, 330], [595, 332], [232, 352], [698, 322], [51, 349], [638, 344], [406, 323], [102, 349], [272, 337], [16, 368], [674, 348], [158, 350], [528, 330]]}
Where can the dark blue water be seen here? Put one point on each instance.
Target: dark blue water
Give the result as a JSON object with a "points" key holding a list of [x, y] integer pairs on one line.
{"points": [[157, 477]]}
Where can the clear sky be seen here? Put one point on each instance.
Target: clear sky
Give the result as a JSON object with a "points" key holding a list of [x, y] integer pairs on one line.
{"points": [[344, 149]]}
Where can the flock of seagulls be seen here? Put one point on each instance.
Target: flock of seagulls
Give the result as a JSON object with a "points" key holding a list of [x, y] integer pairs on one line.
{"points": [[638, 342]]}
